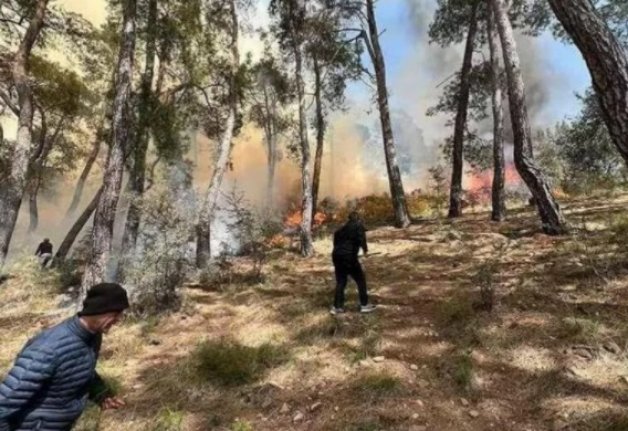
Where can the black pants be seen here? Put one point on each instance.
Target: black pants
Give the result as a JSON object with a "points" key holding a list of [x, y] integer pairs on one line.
{"points": [[346, 266]]}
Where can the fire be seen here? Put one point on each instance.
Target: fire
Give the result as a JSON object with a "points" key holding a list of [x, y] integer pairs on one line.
{"points": [[294, 219], [481, 183]]}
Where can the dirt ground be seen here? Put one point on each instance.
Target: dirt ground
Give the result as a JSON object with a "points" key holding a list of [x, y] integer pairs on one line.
{"points": [[550, 355]]}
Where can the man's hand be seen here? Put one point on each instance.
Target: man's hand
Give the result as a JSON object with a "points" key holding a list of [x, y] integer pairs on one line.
{"points": [[112, 403]]}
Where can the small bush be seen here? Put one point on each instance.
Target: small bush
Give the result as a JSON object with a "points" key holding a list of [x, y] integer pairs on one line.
{"points": [[169, 420], [240, 425], [455, 310], [463, 371], [377, 385], [230, 364], [578, 330]]}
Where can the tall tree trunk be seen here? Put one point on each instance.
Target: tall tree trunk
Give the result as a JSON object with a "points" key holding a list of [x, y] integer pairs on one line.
{"points": [[89, 163], [307, 245], [104, 219], [77, 227], [606, 60], [397, 193], [549, 211], [320, 135], [270, 132], [499, 169], [38, 162], [137, 178], [203, 248], [460, 129], [13, 192]]}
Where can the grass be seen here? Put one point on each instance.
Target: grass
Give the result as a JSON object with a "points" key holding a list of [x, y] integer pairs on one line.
{"points": [[461, 370], [240, 425], [376, 385], [578, 330], [455, 310], [169, 420], [229, 363]]}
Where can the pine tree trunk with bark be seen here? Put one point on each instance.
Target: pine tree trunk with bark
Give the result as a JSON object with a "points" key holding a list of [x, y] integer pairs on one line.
{"points": [[11, 194], [607, 62], [203, 247], [320, 135], [498, 213], [137, 177], [397, 193], [75, 230], [549, 211], [104, 218], [460, 128]]}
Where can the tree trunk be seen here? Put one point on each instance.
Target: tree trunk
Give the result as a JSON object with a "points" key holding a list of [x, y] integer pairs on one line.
{"points": [[460, 129], [307, 245], [270, 132], [397, 194], [32, 205], [499, 170], [77, 227], [13, 192], [91, 159], [320, 136], [549, 211], [102, 235], [203, 251], [137, 177], [606, 60]]}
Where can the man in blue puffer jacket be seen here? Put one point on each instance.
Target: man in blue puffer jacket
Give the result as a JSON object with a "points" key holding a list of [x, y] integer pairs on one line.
{"points": [[55, 373]]}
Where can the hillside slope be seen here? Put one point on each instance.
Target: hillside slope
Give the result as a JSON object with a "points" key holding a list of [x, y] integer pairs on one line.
{"points": [[550, 355]]}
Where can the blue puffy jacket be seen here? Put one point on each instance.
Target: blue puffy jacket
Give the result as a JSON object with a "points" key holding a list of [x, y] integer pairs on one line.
{"points": [[51, 380]]}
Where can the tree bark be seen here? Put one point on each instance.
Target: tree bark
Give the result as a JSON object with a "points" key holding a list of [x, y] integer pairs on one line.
{"points": [[104, 218], [203, 250], [499, 169], [13, 192], [137, 178], [77, 227], [320, 136], [89, 164], [606, 60], [397, 193], [307, 245], [549, 211], [460, 128]]}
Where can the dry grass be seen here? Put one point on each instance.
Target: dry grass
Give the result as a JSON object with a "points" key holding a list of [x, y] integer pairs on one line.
{"points": [[551, 354]]}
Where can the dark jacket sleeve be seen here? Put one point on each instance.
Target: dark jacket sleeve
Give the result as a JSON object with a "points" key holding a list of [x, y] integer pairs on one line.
{"points": [[38, 252], [32, 368]]}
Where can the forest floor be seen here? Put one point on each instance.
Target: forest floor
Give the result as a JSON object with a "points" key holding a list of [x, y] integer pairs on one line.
{"points": [[551, 355]]}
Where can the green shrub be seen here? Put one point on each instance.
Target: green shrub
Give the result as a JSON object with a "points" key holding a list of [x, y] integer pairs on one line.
{"points": [[463, 371], [455, 310], [377, 385], [229, 363], [240, 425], [169, 420]]}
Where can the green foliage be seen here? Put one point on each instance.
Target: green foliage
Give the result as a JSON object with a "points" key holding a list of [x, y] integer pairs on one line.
{"points": [[455, 310], [241, 425], [376, 385], [462, 372], [578, 330], [169, 420], [229, 363]]}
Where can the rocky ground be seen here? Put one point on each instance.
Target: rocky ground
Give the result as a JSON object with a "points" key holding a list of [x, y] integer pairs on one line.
{"points": [[480, 326]]}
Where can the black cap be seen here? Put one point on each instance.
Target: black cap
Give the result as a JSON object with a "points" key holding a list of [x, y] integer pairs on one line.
{"points": [[105, 298]]}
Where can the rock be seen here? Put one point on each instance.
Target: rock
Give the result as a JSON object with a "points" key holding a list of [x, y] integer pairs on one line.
{"points": [[414, 367], [464, 402], [379, 359], [474, 413], [423, 384], [624, 379], [285, 408], [419, 403], [317, 405], [336, 408], [612, 347], [364, 363], [298, 417], [267, 403], [415, 416]]}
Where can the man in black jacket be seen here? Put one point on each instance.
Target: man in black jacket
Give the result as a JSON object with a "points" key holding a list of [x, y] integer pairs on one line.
{"points": [[44, 252], [347, 243]]}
